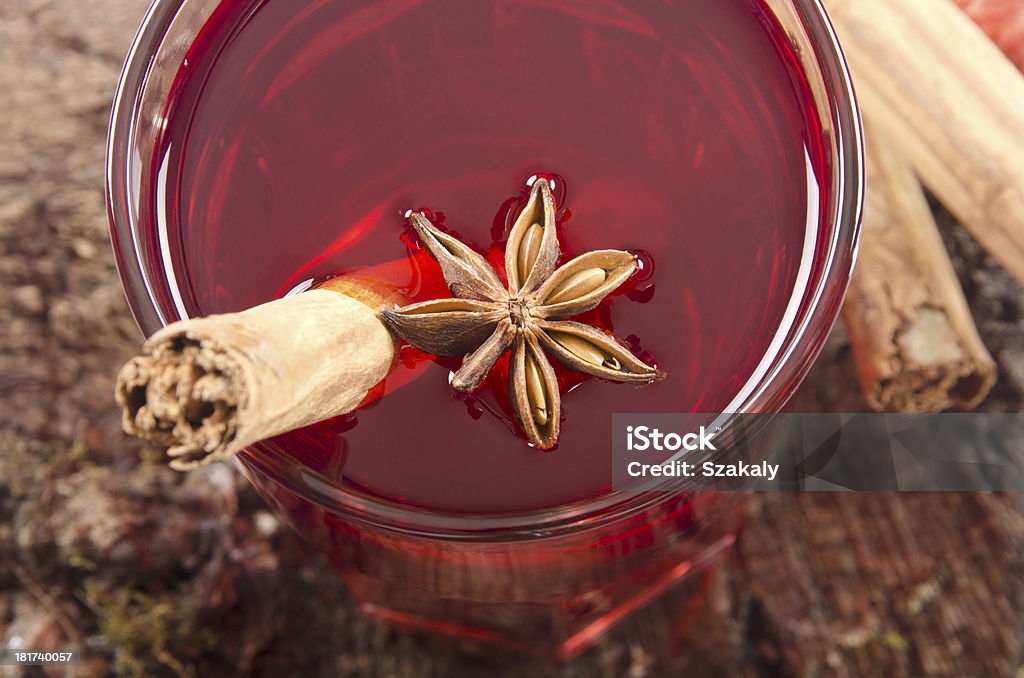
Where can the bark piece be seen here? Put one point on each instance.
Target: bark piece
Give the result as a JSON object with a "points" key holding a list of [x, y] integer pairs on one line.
{"points": [[1003, 20], [952, 103], [915, 343], [206, 388]]}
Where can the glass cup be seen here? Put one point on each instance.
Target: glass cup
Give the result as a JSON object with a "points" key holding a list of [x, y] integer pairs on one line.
{"points": [[550, 581]]}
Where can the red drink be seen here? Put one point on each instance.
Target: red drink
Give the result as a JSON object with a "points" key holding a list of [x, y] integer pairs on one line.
{"points": [[689, 146], [293, 142]]}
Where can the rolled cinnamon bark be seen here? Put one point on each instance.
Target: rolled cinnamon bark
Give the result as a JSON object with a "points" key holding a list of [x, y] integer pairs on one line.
{"points": [[1003, 21], [206, 388], [952, 103], [913, 338]]}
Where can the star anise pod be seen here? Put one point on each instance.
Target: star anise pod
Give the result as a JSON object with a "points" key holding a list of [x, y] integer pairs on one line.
{"points": [[486, 318]]}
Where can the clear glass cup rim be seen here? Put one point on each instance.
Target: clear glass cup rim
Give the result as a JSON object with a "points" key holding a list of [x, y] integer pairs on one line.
{"points": [[803, 344]]}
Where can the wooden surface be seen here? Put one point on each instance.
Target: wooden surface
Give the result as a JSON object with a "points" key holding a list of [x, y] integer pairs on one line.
{"points": [[152, 572]]}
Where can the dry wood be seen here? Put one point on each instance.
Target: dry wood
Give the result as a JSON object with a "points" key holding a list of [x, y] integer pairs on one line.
{"points": [[206, 388], [894, 584], [953, 104], [1003, 21], [915, 343]]}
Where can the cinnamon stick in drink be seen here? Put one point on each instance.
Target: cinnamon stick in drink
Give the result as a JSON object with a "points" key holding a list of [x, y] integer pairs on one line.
{"points": [[915, 343], [206, 388], [952, 103]]}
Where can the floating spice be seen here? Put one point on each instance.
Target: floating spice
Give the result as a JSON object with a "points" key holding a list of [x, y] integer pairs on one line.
{"points": [[486, 318]]}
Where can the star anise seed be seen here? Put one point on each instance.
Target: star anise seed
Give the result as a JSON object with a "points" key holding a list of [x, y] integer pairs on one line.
{"points": [[485, 319]]}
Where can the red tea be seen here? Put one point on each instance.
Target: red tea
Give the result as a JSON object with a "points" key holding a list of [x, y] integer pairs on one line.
{"points": [[296, 140]]}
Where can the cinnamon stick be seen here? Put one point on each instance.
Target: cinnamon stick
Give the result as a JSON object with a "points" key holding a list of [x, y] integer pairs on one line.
{"points": [[915, 344], [206, 388], [952, 103], [1003, 21]]}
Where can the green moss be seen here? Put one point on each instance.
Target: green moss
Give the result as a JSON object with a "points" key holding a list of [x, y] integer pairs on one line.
{"points": [[80, 561], [145, 630], [152, 456], [26, 464], [892, 640], [70, 458], [13, 463]]}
